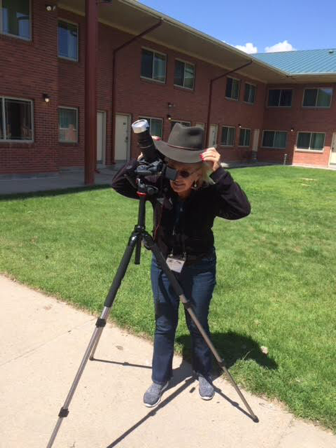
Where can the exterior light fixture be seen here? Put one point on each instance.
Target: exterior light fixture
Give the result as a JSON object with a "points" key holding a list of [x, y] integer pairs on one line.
{"points": [[239, 126], [46, 97], [50, 8], [292, 129], [169, 117], [170, 105]]}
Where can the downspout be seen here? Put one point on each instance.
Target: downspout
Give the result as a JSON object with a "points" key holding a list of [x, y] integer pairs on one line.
{"points": [[91, 37], [115, 51], [210, 97]]}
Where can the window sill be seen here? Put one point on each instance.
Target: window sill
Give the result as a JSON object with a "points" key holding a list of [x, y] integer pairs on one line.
{"points": [[16, 38], [272, 147], [310, 151], [17, 144], [68, 143], [153, 81], [316, 107], [185, 89], [71, 61], [248, 104], [232, 99]]}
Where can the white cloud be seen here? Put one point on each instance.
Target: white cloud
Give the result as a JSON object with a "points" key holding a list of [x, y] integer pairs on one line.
{"points": [[281, 46], [247, 48]]}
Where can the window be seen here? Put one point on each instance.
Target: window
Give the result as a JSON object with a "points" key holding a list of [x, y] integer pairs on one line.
{"points": [[280, 97], [67, 125], [16, 119], [185, 123], [155, 125], [153, 65], [310, 141], [244, 137], [232, 88], [184, 75], [228, 136], [274, 139], [317, 97], [16, 18], [67, 40], [249, 94]]}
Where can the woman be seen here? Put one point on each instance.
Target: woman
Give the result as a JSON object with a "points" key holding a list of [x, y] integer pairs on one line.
{"points": [[183, 223]]}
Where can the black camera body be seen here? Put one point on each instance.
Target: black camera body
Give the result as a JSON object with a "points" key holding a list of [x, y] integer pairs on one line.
{"points": [[152, 162]]}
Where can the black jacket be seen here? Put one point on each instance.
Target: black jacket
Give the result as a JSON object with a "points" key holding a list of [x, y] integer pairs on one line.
{"points": [[186, 226]]}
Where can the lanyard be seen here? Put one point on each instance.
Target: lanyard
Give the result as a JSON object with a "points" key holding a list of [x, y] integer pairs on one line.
{"points": [[178, 229]]}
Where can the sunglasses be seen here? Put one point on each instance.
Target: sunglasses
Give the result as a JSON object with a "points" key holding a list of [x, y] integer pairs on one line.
{"points": [[184, 173]]}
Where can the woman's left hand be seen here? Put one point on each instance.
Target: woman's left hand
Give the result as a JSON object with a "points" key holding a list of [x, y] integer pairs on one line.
{"points": [[212, 157]]}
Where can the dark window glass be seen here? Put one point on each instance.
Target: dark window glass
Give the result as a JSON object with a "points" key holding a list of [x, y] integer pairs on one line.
{"points": [[67, 40], [310, 96], [324, 97], [179, 73], [228, 136], [268, 139], [244, 137], [189, 76], [249, 94], [159, 67], [67, 125], [286, 98], [16, 18], [317, 141], [232, 88], [273, 97], [303, 140], [147, 64], [18, 115]]}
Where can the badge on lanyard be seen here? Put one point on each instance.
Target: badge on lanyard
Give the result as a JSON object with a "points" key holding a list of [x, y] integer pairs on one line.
{"points": [[175, 262]]}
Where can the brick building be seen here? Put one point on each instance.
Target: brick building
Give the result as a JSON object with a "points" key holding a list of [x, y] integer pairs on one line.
{"points": [[267, 108]]}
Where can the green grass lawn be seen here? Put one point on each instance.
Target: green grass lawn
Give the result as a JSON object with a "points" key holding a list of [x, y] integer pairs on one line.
{"points": [[275, 287]]}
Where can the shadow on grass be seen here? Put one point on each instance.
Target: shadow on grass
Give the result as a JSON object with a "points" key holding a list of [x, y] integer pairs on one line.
{"points": [[46, 193], [231, 347]]}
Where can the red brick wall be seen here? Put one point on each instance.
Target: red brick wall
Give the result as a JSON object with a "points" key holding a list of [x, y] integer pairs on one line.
{"points": [[27, 70], [301, 119]]}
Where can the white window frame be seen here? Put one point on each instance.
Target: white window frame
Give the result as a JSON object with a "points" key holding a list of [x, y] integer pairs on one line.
{"points": [[4, 140], [234, 139], [239, 85], [190, 63], [59, 19], [273, 130], [310, 151], [281, 107], [14, 35], [255, 92], [244, 146], [317, 107], [77, 119], [146, 117], [155, 52]]}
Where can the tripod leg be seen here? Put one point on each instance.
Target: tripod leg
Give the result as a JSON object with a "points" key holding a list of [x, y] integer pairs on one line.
{"points": [[177, 288], [100, 324]]}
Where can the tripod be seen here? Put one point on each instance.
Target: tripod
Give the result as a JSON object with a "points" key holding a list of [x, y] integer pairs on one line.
{"points": [[138, 235]]}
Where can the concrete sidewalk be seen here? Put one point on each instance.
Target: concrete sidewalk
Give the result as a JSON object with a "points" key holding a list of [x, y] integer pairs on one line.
{"points": [[43, 343]]}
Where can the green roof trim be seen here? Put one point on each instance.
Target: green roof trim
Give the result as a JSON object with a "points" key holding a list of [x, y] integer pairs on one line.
{"points": [[302, 62]]}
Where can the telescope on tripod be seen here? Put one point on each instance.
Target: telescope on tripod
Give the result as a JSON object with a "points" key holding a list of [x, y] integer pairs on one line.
{"points": [[150, 164]]}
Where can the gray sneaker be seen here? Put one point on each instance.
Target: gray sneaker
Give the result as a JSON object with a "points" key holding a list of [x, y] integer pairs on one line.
{"points": [[153, 394], [206, 389]]}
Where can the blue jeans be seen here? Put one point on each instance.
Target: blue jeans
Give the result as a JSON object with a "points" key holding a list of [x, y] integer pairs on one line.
{"points": [[198, 282]]}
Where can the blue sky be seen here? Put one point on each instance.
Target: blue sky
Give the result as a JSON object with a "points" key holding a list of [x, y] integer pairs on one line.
{"points": [[295, 24]]}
